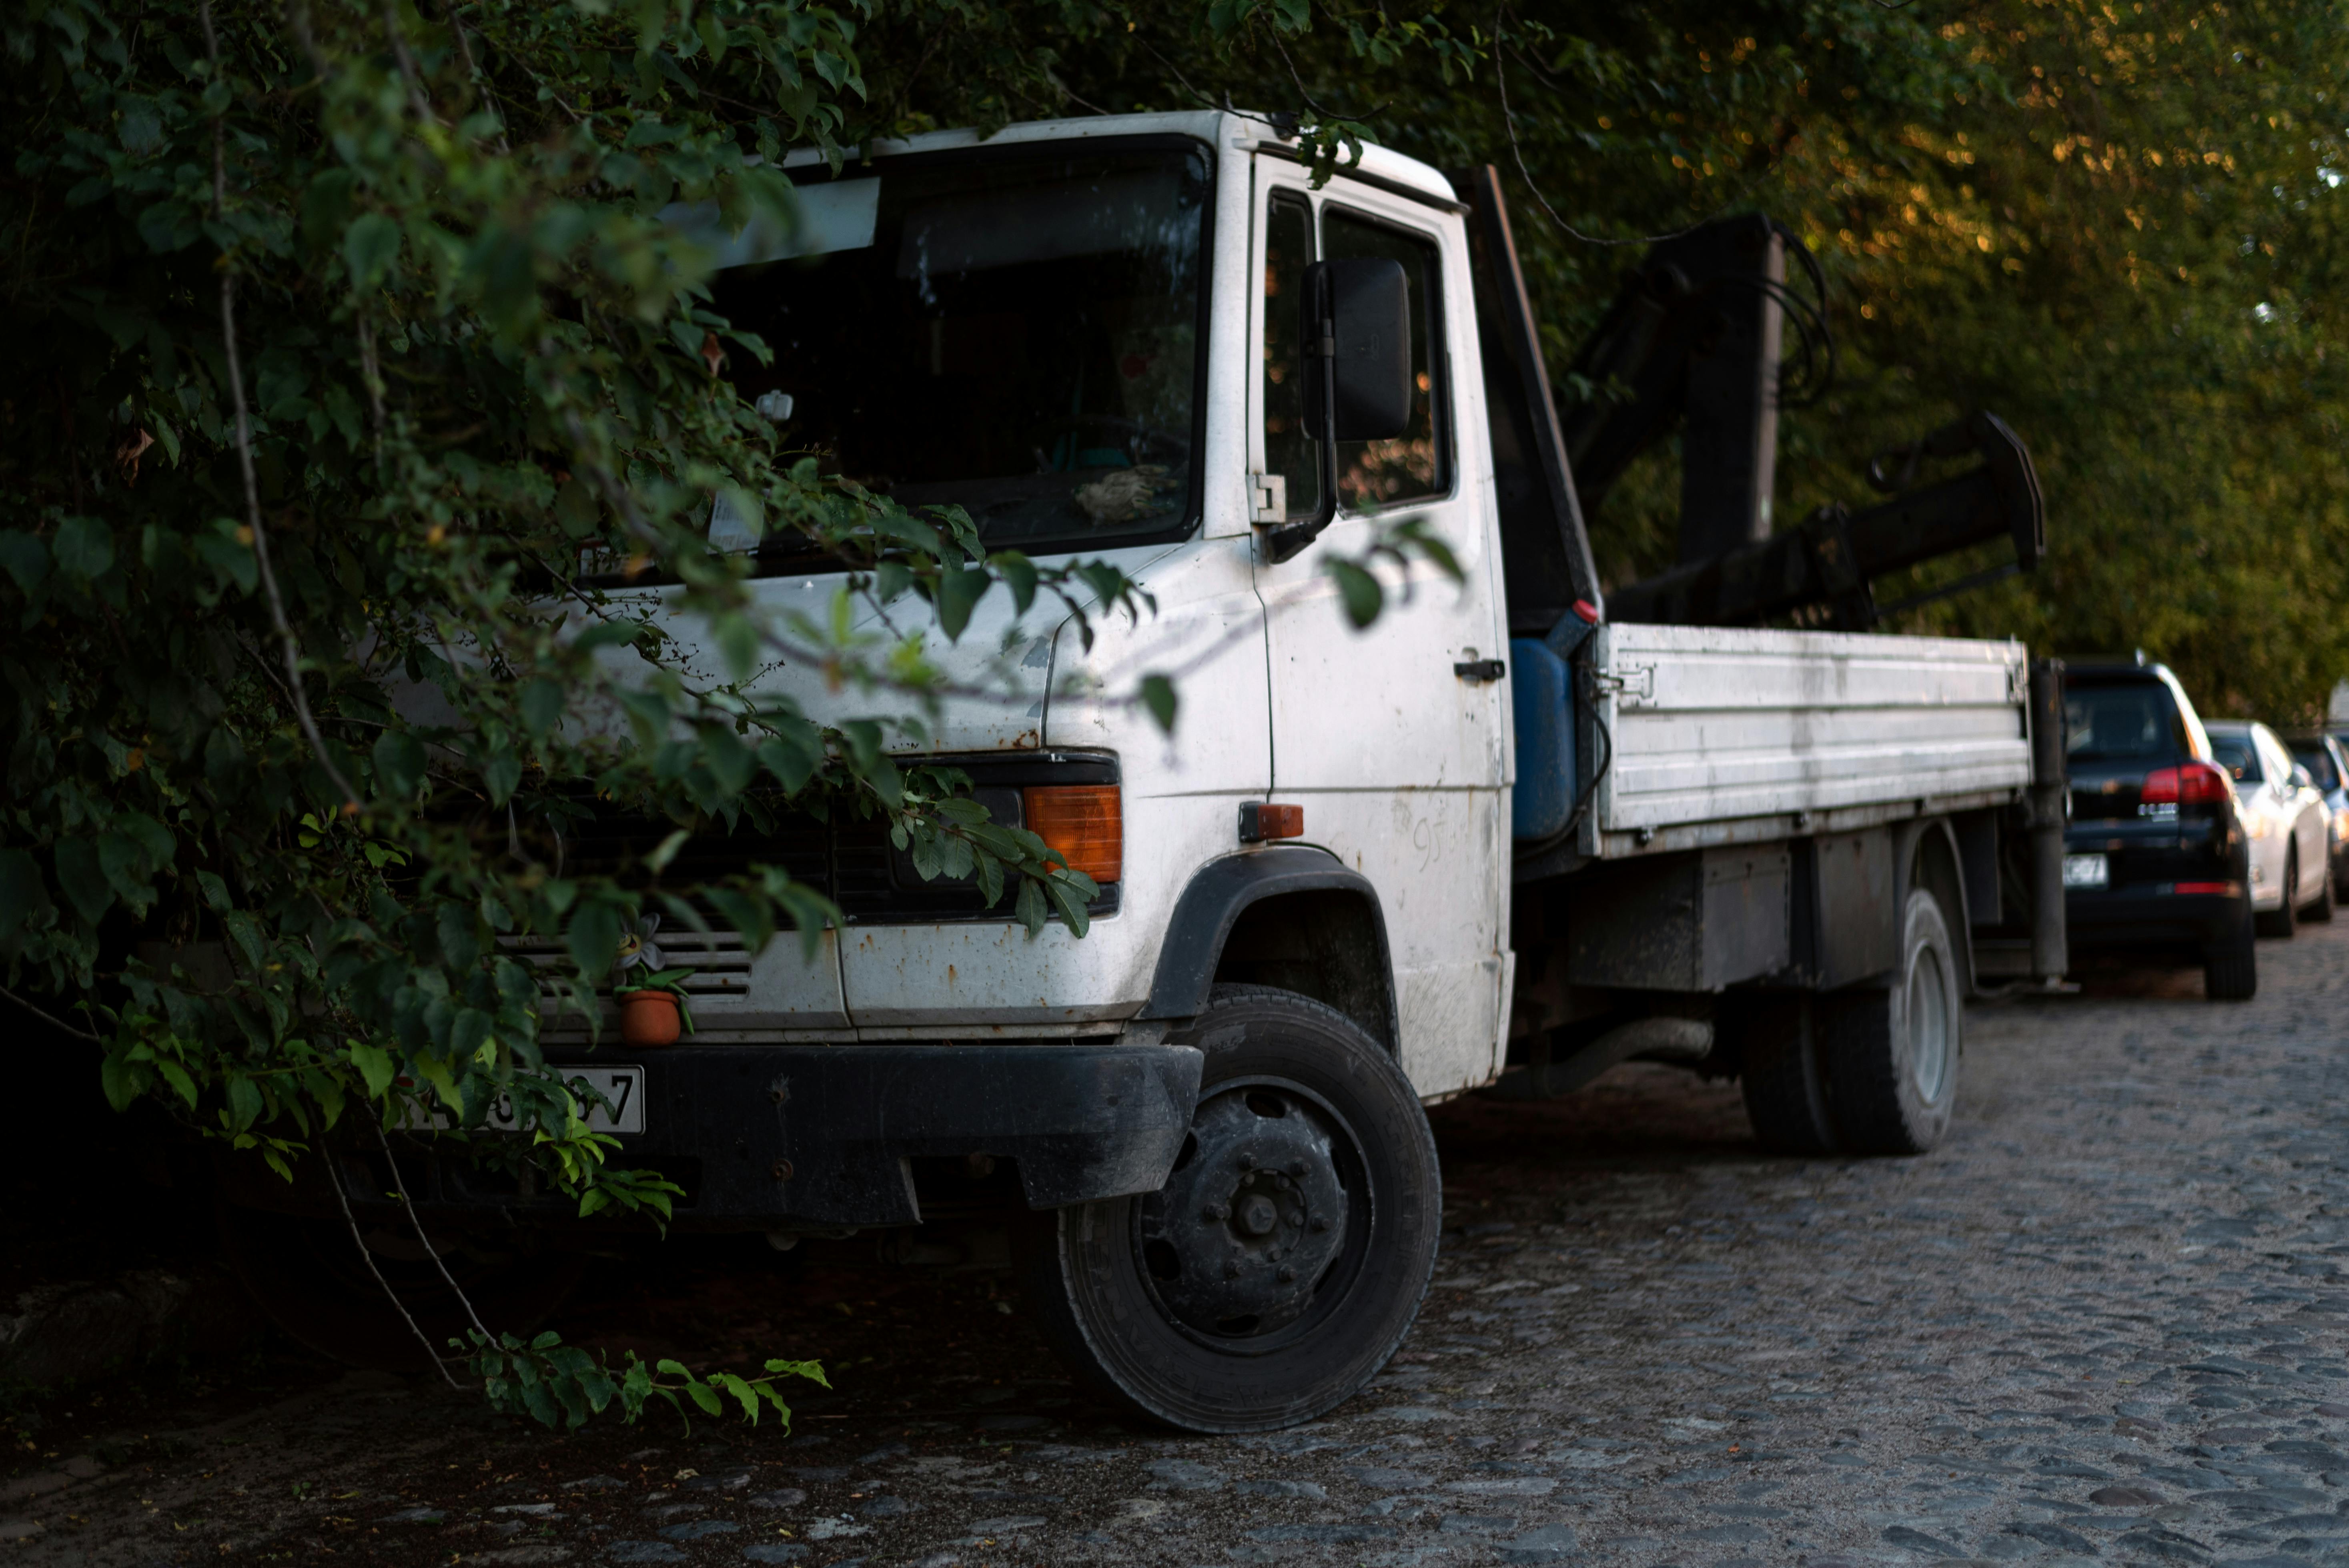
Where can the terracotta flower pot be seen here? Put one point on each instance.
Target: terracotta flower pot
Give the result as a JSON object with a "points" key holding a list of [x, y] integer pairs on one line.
{"points": [[648, 1018]]}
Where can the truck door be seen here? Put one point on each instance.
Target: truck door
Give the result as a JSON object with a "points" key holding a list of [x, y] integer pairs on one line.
{"points": [[1392, 739]]}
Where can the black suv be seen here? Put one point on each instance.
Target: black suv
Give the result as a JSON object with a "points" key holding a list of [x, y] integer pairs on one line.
{"points": [[2155, 858]]}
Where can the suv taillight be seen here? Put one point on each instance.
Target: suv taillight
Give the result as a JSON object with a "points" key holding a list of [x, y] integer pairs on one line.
{"points": [[2196, 784]]}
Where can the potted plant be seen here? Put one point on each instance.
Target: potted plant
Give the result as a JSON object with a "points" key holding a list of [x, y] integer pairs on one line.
{"points": [[651, 998], [653, 1009]]}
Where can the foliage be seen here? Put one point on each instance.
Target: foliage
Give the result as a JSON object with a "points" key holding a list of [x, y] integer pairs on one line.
{"points": [[556, 1383], [367, 418], [360, 384]]}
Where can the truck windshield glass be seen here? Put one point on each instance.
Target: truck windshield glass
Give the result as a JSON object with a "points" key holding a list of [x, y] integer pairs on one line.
{"points": [[1016, 334], [2122, 723]]}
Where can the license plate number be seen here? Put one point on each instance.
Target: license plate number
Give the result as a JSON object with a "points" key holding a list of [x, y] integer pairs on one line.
{"points": [[2087, 870]]}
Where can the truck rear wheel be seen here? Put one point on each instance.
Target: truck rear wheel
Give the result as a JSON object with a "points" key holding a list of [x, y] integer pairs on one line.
{"points": [[1289, 1250], [1891, 1052], [1785, 1083]]}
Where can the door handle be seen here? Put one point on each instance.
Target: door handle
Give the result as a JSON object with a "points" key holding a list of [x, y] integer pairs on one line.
{"points": [[1481, 670]]}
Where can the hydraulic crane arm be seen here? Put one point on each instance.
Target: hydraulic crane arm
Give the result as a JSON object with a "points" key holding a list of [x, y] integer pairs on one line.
{"points": [[1832, 559]]}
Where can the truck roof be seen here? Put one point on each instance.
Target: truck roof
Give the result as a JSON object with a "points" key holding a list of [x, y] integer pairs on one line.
{"points": [[1246, 132]]}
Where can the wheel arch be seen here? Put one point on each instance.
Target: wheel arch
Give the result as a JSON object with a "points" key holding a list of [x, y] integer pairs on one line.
{"points": [[1925, 854], [1290, 916]]}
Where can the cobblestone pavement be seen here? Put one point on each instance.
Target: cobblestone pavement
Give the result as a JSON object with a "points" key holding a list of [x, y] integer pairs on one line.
{"points": [[2104, 1322]]}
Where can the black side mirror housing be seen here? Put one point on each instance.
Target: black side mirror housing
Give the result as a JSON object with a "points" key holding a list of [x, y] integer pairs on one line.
{"points": [[1360, 307], [1358, 384]]}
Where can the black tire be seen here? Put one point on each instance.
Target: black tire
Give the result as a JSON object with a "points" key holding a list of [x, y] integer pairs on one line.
{"points": [[2284, 920], [1783, 1080], [1174, 1305], [1891, 1052], [2231, 969], [308, 1277], [2320, 911]]}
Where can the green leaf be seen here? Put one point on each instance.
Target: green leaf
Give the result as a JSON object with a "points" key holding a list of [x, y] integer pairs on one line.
{"points": [[502, 776], [23, 896], [1357, 591], [243, 1102], [959, 591], [26, 558], [542, 705], [84, 547], [1019, 574], [375, 1066], [399, 763], [1159, 698], [84, 880], [369, 246], [593, 937], [176, 1076]]}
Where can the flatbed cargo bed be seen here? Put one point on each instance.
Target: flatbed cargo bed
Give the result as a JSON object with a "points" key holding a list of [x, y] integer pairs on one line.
{"points": [[1718, 735]]}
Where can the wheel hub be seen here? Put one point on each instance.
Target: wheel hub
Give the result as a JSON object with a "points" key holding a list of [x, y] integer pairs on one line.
{"points": [[1251, 1218]]}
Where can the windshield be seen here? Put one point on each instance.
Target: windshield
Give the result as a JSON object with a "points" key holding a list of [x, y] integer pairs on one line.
{"points": [[2135, 722], [2236, 754], [1013, 331]]}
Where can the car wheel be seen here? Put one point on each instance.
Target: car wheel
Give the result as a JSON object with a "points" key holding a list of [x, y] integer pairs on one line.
{"points": [[2231, 968], [1289, 1251], [1784, 1082], [307, 1275], [2285, 919], [2320, 909], [1892, 1052]]}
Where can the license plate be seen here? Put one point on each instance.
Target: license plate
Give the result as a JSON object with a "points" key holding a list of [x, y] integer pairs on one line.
{"points": [[622, 1087], [2087, 870]]}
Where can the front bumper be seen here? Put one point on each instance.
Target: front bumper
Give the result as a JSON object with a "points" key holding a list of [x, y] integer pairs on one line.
{"points": [[820, 1136]]}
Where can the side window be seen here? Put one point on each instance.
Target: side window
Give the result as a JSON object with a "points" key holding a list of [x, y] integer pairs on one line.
{"points": [[1418, 463], [1287, 449]]}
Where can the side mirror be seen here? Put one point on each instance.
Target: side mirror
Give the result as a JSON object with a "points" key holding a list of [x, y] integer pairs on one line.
{"points": [[1358, 384]]}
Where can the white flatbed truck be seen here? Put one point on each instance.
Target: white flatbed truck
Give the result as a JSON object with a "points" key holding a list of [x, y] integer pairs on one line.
{"points": [[1524, 840]]}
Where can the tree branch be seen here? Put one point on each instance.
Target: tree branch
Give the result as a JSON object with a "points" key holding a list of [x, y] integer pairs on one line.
{"points": [[58, 1024], [291, 645], [359, 1241]]}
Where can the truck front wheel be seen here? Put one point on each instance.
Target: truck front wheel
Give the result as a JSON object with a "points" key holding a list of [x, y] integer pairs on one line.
{"points": [[1288, 1253]]}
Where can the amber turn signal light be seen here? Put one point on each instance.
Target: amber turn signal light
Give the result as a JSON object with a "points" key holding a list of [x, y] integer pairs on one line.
{"points": [[1084, 822], [1261, 820]]}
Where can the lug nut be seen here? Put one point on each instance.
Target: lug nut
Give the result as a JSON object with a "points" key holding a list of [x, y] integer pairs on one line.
{"points": [[1287, 1274], [1248, 1160], [1321, 1222]]}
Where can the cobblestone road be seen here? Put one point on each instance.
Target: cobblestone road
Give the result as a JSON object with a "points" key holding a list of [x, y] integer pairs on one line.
{"points": [[2104, 1322]]}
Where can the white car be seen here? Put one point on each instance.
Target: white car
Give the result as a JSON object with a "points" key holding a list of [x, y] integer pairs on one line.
{"points": [[2287, 821]]}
